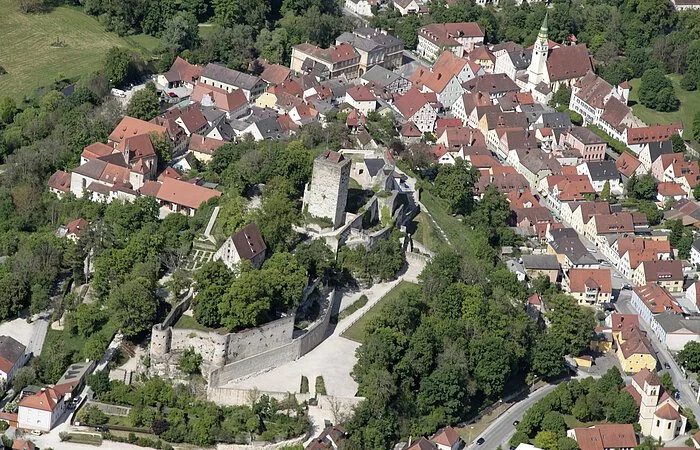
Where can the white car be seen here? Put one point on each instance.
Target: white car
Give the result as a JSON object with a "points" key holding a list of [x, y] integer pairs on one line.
{"points": [[118, 93], [616, 275], [591, 249]]}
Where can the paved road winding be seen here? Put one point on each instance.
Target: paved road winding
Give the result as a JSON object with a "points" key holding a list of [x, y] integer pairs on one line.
{"points": [[501, 430]]}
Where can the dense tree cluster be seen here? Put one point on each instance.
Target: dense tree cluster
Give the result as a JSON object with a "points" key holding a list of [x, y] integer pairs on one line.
{"points": [[587, 400], [175, 415], [381, 262], [446, 348], [243, 29], [250, 297]]}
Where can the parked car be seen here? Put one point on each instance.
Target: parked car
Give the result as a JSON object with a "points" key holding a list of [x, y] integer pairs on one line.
{"points": [[667, 366], [515, 423], [102, 428], [480, 441], [118, 93], [172, 95], [616, 275], [36, 433], [626, 286]]}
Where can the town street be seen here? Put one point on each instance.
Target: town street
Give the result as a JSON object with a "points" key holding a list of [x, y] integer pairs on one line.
{"points": [[502, 429]]}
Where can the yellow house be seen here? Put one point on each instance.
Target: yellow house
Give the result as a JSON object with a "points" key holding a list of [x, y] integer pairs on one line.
{"points": [[634, 350], [602, 340]]}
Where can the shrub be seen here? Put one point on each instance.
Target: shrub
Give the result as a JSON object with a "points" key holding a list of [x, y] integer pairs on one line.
{"points": [[304, 388], [2, 70], [190, 361], [320, 386], [92, 416]]}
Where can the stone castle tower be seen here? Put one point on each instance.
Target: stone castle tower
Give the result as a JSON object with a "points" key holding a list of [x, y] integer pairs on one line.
{"points": [[327, 194], [537, 71]]}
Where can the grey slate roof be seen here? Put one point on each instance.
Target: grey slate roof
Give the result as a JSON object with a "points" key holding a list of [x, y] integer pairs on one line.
{"points": [[540, 262], [380, 37], [659, 148], [521, 59], [556, 120], [381, 76], [585, 135], [603, 170], [269, 128], [374, 165], [229, 76], [671, 322], [574, 249], [358, 42], [10, 349]]}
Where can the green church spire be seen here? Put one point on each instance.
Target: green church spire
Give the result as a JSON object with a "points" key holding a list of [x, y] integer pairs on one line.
{"points": [[543, 29]]}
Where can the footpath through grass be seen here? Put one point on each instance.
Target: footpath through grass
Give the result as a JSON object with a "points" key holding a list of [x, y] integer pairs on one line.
{"points": [[356, 332], [690, 104], [457, 233], [39, 49]]}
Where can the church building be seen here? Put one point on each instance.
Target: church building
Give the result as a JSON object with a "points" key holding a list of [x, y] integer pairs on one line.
{"points": [[659, 413], [553, 65]]}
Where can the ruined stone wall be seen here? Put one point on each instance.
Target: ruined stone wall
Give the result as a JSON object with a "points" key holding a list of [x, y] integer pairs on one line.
{"points": [[260, 339], [275, 357]]}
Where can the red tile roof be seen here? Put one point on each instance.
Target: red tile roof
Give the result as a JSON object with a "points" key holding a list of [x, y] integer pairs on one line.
{"points": [[21, 444], [97, 150], [181, 70], [130, 126], [582, 279], [77, 226], [275, 73], [642, 135], [60, 180], [224, 100], [409, 129], [201, 144], [670, 189], [410, 103], [360, 93], [447, 437], [667, 412], [606, 436], [657, 299], [567, 62], [445, 34], [185, 194], [627, 163], [44, 400]]}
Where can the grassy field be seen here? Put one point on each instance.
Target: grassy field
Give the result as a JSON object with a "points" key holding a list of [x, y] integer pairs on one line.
{"points": [[189, 323], [357, 330], [690, 104], [426, 233], [456, 232], [30, 59]]}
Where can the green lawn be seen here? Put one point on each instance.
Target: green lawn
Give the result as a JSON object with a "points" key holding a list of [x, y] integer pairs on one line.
{"points": [[426, 233], [456, 232], [84, 438], [72, 343], [189, 323], [356, 331], [31, 61], [690, 104]]}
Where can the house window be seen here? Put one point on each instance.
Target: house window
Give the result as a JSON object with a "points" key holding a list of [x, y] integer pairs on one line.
{"points": [[669, 425], [658, 423]]}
